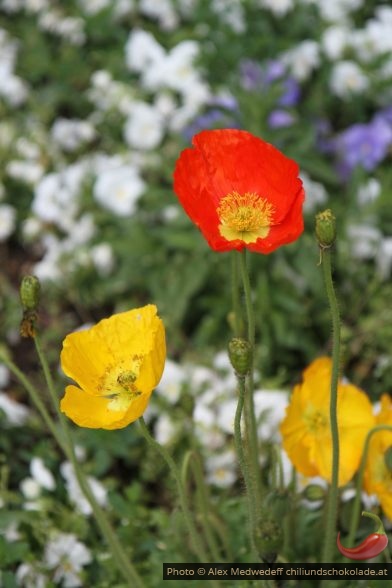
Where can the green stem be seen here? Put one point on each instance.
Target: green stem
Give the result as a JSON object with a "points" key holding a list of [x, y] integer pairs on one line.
{"points": [[128, 571], [332, 502], [356, 511], [197, 544], [34, 394], [192, 463], [252, 505], [250, 418], [235, 295]]}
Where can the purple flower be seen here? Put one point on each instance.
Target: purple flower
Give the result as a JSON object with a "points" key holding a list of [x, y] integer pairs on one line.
{"points": [[280, 119], [212, 119], [291, 92], [363, 145], [275, 71], [250, 74]]}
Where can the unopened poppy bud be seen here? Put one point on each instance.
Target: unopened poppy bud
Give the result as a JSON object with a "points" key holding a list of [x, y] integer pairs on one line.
{"points": [[29, 293], [325, 228], [388, 458], [314, 493], [240, 355], [268, 539], [29, 296]]}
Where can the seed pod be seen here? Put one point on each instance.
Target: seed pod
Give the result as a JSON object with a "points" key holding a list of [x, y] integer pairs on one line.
{"points": [[325, 228], [29, 293], [240, 355]]}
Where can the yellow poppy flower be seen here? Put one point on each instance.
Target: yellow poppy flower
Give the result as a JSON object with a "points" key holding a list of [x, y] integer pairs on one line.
{"points": [[117, 363], [378, 476], [306, 428]]}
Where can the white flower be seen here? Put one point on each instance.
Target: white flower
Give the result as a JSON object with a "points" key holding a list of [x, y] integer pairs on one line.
{"points": [[316, 194], [165, 429], [11, 532], [222, 469], [270, 408], [16, 413], [118, 189], [41, 474], [337, 10], [103, 258], [364, 240], [226, 415], [71, 134], [26, 171], [4, 375], [75, 493], [67, 555], [278, 7], [7, 221], [144, 127], [369, 192], [303, 59], [56, 195], [347, 79], [175, 70], [334, 41], [162, 10], [12, 88], [141, 50], [172, 382], [92, 7], [30, 488], [384, 258], [28, 577]]}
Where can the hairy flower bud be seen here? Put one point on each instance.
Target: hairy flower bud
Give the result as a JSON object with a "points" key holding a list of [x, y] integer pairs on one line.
{"points": [[314, 493], [268, 539], [240, 355], [325, 228], [29, 293]]}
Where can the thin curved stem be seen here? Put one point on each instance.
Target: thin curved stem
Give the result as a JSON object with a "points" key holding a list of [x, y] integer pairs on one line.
{"points": [[250, 418], [192, 463], [356, 510], [197, 544], [34, 394], [127, 569], [332, 502]]}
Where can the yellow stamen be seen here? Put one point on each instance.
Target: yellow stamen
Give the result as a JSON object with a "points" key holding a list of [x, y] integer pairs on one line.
{"points": [[118, 383], [245, 216]]}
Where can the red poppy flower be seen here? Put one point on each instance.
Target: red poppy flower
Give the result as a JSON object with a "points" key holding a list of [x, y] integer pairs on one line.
{"points": [[240, 191]]}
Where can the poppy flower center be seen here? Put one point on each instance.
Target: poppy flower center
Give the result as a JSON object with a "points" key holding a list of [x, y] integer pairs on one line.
{"points": [[118, 383], [315, 420], [244, 216]]}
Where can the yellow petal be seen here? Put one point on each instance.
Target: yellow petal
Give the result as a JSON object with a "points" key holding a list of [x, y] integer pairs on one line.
{"points": [[93, 412], [88, 354]]}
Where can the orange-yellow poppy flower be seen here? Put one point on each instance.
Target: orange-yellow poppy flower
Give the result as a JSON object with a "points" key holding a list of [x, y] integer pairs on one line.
{"points": [[240, 191], [116, 364], [306, 427], [378, 473]]}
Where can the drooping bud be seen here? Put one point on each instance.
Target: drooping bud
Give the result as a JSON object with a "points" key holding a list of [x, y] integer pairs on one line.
{"points": [[388, 458], [29, 296], [325, 228], [29, 293], [240, 355], [268, 539], [314, 493]]}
